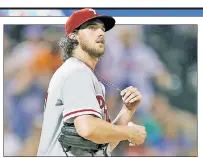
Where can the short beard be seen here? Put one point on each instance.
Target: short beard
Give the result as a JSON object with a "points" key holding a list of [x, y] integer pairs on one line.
{"points": [[91, 50]]}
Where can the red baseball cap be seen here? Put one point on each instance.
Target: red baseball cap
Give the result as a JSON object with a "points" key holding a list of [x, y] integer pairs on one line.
{"points": [[81, 16]]}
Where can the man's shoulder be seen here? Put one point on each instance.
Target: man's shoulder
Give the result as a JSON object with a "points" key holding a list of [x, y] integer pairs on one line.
{"points": [[72, 68], [74, 71]]}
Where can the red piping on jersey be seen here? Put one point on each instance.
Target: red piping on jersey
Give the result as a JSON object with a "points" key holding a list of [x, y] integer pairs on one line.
{"points": [[78, 111]]}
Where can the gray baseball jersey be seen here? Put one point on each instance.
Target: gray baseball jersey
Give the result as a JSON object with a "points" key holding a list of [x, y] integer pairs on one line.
{"points": [[73, 91]]}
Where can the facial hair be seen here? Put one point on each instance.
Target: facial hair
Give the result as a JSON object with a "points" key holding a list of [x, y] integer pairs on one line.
{"points": [[91, 49]]}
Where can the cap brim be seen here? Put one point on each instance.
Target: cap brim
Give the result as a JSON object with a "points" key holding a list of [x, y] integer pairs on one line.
{"points": [[109, 22]]}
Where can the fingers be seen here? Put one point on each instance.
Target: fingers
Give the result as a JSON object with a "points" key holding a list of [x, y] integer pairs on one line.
{"points": [[126, 95], [136, 98], [133, 97], [131, 124], [130, 95], [138, 136], [143, 136], [125, 90]]}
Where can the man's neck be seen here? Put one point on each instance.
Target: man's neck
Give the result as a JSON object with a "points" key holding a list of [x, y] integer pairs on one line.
{"points": [[91, 62]]}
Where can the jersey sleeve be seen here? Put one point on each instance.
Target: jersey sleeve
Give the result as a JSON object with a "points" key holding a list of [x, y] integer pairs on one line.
{"points": [[79, 97]]}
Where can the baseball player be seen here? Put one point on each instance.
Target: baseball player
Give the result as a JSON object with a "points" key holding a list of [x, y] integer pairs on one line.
{"points": [[76, 96]]}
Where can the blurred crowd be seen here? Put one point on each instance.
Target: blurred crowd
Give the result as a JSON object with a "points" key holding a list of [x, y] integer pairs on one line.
{"points": [[160, 60]]}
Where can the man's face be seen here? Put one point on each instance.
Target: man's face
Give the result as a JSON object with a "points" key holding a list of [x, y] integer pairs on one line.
{"points": [[91, 38]]}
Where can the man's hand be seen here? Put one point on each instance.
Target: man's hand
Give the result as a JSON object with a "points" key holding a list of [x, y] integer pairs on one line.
{"points": [[137, 134], [131, 97]]}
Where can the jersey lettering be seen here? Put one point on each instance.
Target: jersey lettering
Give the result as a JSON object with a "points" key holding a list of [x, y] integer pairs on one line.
{"points": [[101, 101], [102, 104]]}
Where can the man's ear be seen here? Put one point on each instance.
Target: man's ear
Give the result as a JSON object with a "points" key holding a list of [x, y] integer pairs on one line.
{"points": [[72, 36]]}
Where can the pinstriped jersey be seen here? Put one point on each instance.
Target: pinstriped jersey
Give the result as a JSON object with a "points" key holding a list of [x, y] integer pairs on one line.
{"points": [[73, 91]]}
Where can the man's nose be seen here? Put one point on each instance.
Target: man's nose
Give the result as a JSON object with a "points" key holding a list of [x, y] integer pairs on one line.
{"points": [[101, 31]]}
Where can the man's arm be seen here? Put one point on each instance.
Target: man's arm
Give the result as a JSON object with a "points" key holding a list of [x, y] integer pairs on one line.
{"points": [[122, 118], [100, 131], [130, 96]]}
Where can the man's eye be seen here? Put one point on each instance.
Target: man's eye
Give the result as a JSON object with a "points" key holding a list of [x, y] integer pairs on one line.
{"points": [[95, 27], [92, 27]]}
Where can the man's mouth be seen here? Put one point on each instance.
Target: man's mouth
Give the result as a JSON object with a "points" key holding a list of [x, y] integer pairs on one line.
{"points": [[100, 41]]}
